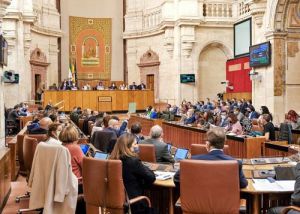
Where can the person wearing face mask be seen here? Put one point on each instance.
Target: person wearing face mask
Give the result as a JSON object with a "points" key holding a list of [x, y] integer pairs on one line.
{"points": [[136, 176], [190, 118], [53, 133], [238, 113], [224, 119]]}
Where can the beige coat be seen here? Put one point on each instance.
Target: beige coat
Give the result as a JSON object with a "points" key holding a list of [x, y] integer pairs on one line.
{"points": [[53, 184]]}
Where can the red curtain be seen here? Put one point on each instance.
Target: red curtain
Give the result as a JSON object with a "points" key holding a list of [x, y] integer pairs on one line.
{"points": [[237, 73]]}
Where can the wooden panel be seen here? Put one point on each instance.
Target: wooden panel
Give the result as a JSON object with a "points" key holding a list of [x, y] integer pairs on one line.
{"points": [[79, 98], [89, 99], [244, 95], [5, 175]]}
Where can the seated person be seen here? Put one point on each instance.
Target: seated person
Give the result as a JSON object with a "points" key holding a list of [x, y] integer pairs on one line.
{"points": [[252, 113], [269, 129], [100, 86], [123, 87], [113, 125], [113, 86], [153, 114], [64, 86], [161, 149], [142, 86], [136, 130], [53, 133], [295, 197], [13, 116], [74, 87], [97, 126], [214, 145], [224, 119], [208, 120], [42, 127], [133, 86], [136, 176], [53, 87], [190, 117], [69, 137], [235, 126], [294, 119], [238, 113]]}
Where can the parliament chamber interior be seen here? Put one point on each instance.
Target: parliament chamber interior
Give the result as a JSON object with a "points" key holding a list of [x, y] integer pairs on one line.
{"points": [[150, 107]]}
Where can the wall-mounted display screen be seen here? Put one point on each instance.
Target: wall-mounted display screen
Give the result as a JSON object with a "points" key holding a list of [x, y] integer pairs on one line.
{"points": [[260, 54], [242, 37], [187, 78]]}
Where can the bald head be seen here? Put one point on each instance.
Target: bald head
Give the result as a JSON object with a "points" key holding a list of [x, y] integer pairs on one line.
{"points": [[45, 122]]}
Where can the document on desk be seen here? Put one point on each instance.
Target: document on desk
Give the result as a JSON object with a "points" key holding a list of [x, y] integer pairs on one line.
{"points": [[164, 175], [277, 186]]}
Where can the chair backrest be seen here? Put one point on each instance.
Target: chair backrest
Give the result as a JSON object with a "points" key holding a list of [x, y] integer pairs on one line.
{"points": [[90, 126], [285, 132], [20, 138], [29, 146], [147, 153], [104, 140], [204, 185], [38, 137], [103, 185], [199, 149], [80, 124]]}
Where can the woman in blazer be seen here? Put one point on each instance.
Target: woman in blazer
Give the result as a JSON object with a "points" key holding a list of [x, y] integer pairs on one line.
{"points": [[136, 176]]}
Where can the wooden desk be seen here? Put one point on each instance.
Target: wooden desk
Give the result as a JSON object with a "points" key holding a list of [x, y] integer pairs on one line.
{"points": [[90, 99], [182, 136], [146, 123], [295, 135], [5, 176], [277, 149]]}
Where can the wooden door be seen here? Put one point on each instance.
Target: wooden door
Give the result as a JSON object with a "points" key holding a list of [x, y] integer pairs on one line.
{"points": [[37, 82], [150, 81]]}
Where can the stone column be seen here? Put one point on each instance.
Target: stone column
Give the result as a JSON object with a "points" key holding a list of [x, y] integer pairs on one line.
{"points": [[3, 5]]}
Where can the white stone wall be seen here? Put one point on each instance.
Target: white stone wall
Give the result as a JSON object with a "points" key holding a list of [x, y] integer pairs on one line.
{"points": [[30, 24]]}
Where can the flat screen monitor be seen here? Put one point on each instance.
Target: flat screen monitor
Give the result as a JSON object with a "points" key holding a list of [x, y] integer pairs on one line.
{"points": [[101, 155], [181, 154], [260, 54], [187, 78], [242, 37], [84, 148]]}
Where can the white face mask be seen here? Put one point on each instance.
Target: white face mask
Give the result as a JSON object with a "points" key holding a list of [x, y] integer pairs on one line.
{"points": [[171, 109], [223, 117]]}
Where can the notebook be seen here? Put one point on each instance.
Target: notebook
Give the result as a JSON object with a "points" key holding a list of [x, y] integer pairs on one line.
{"points": [[85, 148], [101, 155], [181, 154]]}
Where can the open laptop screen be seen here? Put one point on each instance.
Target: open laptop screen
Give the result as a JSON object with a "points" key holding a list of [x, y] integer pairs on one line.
{"points": [[181, 154], [84, 148], [101, 155]]}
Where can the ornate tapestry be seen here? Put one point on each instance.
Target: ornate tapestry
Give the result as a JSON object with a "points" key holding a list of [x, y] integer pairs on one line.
{"points": [[90, 47]]}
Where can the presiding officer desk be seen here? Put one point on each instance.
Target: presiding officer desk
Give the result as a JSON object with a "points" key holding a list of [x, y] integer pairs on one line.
{"points": [[103, 100]]}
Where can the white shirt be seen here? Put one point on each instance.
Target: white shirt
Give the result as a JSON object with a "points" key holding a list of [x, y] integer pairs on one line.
{"points": [[52, 140]]}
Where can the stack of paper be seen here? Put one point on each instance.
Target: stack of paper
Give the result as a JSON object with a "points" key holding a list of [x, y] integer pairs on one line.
{"points": [[277, 186], [163, 175]]}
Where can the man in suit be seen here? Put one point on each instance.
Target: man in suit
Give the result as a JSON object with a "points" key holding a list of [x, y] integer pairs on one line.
{"points": [[215, 144], [295, 197], [136, 130], [142, 86], [42, 127], [13, 117], [133, 86], [224, 119], [161, 149]]}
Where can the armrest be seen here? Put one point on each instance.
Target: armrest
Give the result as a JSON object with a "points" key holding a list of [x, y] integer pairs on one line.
{"points": [[139, 198], [287, 209]]}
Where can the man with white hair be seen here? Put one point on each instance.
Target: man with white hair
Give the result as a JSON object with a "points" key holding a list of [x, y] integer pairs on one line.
{"points": [[161, 149]]}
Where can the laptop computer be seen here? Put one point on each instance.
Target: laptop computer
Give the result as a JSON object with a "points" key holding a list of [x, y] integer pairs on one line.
{"points": [[181, 154], [85, 148], [101, 155]]}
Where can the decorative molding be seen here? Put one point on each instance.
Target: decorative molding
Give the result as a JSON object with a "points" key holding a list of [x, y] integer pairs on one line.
{"points": [[47, 31], [279, 65], [150, 58], [169, 40], [38, 58]]}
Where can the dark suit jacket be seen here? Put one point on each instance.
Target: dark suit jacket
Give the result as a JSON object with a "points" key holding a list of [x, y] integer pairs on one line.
{"points": [[296, 195], [133, 87], [161, 150], [136, 178], [215, 155]]}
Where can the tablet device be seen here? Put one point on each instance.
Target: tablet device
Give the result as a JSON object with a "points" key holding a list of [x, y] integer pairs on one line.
{"points": [[101, 155], [181, 154], [84, 148]]}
